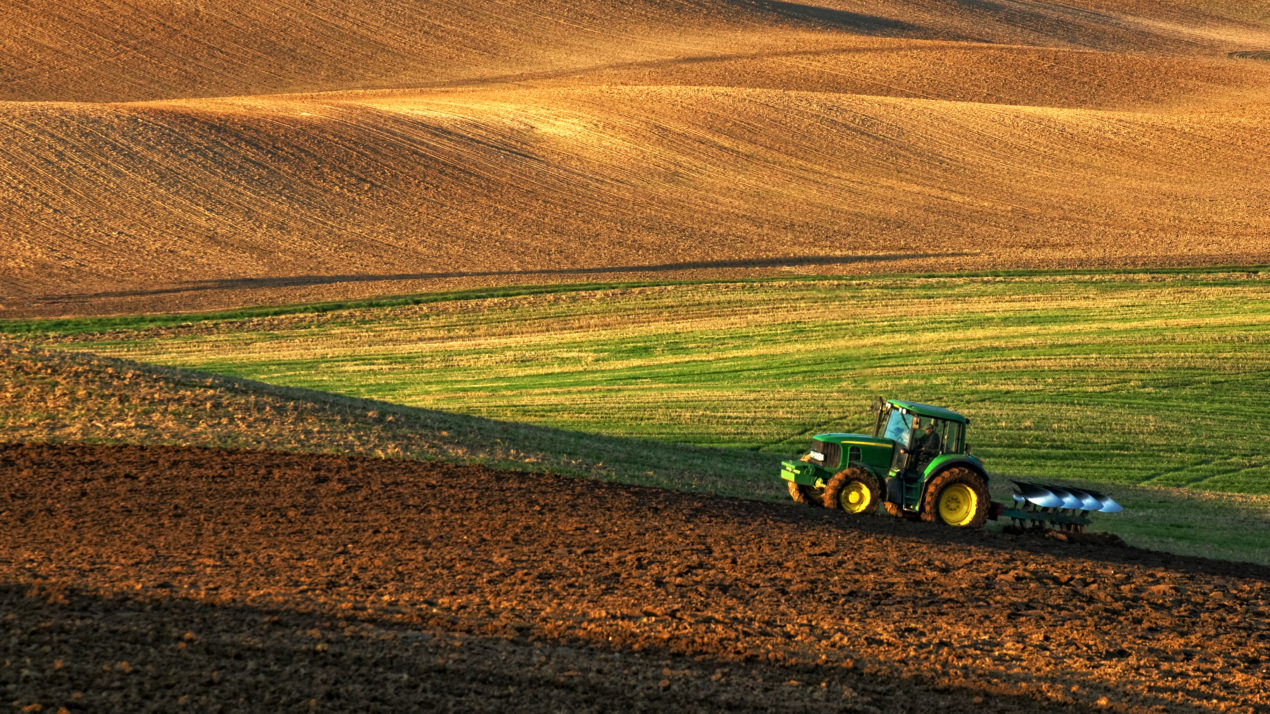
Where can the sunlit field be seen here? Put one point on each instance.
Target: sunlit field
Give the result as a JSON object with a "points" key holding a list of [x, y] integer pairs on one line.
{"points": [[1129, 379]]}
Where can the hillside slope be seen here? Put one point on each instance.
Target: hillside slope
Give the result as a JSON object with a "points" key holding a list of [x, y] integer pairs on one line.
{"points": [[125, 50], [184, 156]]}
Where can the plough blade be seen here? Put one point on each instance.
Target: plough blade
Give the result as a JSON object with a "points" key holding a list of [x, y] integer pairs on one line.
{"points": [[1036, 495], [1077, 499], [1087, 501], [1108, 505], [1051, 506], [1070, 500]]}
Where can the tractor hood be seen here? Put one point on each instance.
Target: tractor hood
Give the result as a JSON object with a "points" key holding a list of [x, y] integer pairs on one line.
{"points": [[835, 451], [853, 439]]}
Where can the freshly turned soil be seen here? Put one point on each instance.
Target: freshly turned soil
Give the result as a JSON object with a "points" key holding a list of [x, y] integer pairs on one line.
{"points": [[147, 578], [192, 156]]}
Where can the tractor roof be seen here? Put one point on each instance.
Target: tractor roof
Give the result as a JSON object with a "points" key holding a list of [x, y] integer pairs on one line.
{"points": [[927, 410]]}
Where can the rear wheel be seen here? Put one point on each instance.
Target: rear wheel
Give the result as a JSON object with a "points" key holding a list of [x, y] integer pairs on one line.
{"points": [[806, 495], [853, 490], [957, 497]]}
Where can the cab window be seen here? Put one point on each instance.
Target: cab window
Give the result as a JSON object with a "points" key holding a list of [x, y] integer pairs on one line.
{"points": [[899, 427]]}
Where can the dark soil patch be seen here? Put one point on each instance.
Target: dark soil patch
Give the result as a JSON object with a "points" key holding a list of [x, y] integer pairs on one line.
{"points": [[140, 578]]}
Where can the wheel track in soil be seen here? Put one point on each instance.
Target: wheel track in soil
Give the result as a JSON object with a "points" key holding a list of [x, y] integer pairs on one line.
{"points": [[337, 575]]}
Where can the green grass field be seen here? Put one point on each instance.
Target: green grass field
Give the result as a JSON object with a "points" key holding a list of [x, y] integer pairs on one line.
{"points": [[1144, 379]]}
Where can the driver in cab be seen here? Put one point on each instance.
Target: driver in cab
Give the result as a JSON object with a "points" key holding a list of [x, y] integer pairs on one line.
{"points": [[928, 444]]}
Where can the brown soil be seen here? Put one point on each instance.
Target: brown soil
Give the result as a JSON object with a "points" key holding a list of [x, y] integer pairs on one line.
{"points": [[139, 578], [181, 156], [130, 50]]}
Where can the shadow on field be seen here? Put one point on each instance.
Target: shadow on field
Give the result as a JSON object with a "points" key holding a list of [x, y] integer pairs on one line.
{"points": [[841, 19], [151, 652], [307, 280]]}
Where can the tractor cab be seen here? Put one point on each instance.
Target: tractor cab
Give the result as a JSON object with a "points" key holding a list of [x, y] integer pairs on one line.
{"points": [[921, 433]]}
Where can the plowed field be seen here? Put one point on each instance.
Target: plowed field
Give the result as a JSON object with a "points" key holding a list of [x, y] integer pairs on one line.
{"points": [[141, 578], [176, 156]]}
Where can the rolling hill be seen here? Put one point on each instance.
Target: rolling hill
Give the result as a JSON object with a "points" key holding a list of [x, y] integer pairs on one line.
{"points": [[181, 156]]}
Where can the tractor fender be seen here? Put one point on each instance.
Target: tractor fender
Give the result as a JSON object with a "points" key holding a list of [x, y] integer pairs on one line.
{"points": [[950, 461], [942, 463]]}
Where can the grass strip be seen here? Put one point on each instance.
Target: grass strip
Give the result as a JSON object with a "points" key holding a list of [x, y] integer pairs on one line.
{"points": [[92, 325]]}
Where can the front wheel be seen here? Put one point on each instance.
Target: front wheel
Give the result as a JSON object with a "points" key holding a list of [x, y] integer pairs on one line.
{"points": [[805, 495], [957, 497], [854, 490]]}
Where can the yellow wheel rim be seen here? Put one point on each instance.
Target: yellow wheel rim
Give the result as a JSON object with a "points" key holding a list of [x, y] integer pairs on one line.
{"points": [[957, 504], [855, 497]]}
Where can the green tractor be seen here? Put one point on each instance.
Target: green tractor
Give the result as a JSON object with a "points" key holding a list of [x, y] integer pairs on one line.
{"points": [[916, 464]]}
